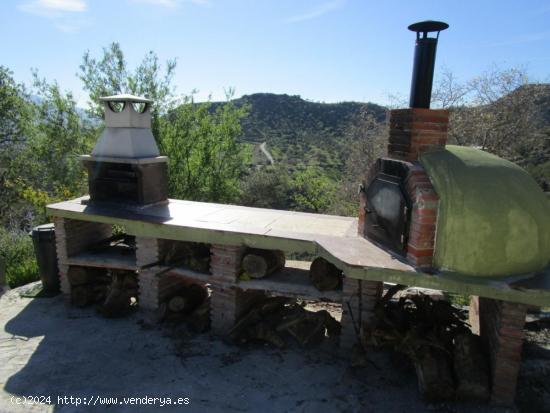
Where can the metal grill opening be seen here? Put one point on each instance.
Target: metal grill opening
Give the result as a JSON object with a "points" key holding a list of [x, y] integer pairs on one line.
{"points": [[388, 206]]}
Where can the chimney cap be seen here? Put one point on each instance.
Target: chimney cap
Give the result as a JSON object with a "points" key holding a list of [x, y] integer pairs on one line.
{"points": [[125, 98], [428, 26]]}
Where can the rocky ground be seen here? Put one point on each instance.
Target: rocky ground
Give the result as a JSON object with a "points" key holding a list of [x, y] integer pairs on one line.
{"points": [[47, 349]]}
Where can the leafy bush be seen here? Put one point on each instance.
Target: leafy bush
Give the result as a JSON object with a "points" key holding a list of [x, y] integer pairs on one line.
{"points": [[205, 161], [17, 251]]}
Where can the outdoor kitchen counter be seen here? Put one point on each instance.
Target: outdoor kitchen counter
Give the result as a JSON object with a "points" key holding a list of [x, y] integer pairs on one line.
{"points": [[332, 237]]}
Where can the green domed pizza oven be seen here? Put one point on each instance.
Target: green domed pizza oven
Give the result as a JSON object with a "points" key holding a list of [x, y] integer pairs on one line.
{"points": [[459, 209], [450, 208], [493, 218]]}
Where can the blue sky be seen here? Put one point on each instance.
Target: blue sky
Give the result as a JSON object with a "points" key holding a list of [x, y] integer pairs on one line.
{"points": [[323, 50]]}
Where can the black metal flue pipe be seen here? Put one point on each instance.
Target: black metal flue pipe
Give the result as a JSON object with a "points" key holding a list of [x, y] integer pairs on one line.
{"points": [[424, 62]]}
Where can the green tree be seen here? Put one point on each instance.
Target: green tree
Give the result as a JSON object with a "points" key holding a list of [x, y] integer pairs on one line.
{"points": [[495, 111], [15, 112], [312, 191], [367, 139], [16, 121], [268, 187], [47, 168], [205, 159], [109, 75]]}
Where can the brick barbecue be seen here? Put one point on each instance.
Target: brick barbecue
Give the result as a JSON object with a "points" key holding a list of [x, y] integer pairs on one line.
{"points": [[125, 166], [396, 237]]}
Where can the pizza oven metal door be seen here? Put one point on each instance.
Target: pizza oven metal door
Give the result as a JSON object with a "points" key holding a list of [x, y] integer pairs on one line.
{"points": [[388, 211]]}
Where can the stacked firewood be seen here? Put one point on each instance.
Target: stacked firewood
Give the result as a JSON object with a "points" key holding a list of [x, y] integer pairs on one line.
{"points": [[190, 304], [122, 294], [448, 359], [192, 255], [115, 290], [276, 319], [88, 285]]}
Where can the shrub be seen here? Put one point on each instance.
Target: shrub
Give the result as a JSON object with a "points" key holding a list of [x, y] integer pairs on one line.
{"points": [[17, 251]]}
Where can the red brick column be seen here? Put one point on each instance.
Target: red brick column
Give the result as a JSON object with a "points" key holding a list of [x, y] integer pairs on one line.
{"points": [[412, 132], [148, 251], [501, 328], [416, 130], [227, 302], [425, 203], [225, 263], [359, 299]]}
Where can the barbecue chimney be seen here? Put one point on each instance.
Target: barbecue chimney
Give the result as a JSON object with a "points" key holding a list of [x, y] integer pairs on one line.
{"points": [[125, 166], [424, 62]]}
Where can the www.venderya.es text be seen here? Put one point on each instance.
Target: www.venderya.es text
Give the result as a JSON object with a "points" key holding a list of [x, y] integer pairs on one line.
{"points": [[95, 400]]}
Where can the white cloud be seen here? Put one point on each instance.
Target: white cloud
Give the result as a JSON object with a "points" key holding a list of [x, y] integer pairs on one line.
{"points": [[172, 4], [53, 8], [61, 12], [318, 11]]}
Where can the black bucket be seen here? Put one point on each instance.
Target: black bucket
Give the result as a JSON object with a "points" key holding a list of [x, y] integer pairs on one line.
{"points": [[43, 238]]}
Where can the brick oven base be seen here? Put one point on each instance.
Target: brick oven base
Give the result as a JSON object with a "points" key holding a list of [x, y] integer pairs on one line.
{"points": [[500, 325]]}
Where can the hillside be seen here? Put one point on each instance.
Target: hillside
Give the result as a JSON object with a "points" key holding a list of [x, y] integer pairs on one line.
{"points": [[299, 132], [515, 126]]}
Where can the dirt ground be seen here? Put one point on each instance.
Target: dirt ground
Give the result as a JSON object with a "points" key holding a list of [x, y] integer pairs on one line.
{"points": [[48, 349]]}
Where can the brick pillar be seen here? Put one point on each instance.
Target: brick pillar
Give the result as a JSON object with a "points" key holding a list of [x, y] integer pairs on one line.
{"points": [[225, 263], [501, 328], [359, 299], [72, 237], [425, 204], [473, 314], [416, 130], [148, 290], [154, 288], [225, 266], [148, 250]]}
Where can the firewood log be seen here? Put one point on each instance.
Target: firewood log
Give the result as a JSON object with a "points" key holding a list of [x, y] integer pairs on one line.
{"points": [[260, 263], [199, 320], [82, 295], [433, 371], [160, 313], [471, 368], [187, 299], [195, 256], [308, 332], [121, 295], [176, 304], [264, 332], [129, 282], [86, 275], [324, 275], [117, 304], [333, 326], [198, 263], [242, 325]]}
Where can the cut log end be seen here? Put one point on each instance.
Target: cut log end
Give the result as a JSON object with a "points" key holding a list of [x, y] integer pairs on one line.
{"points": [[258, 263], [324, 276], [177, 304]]}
